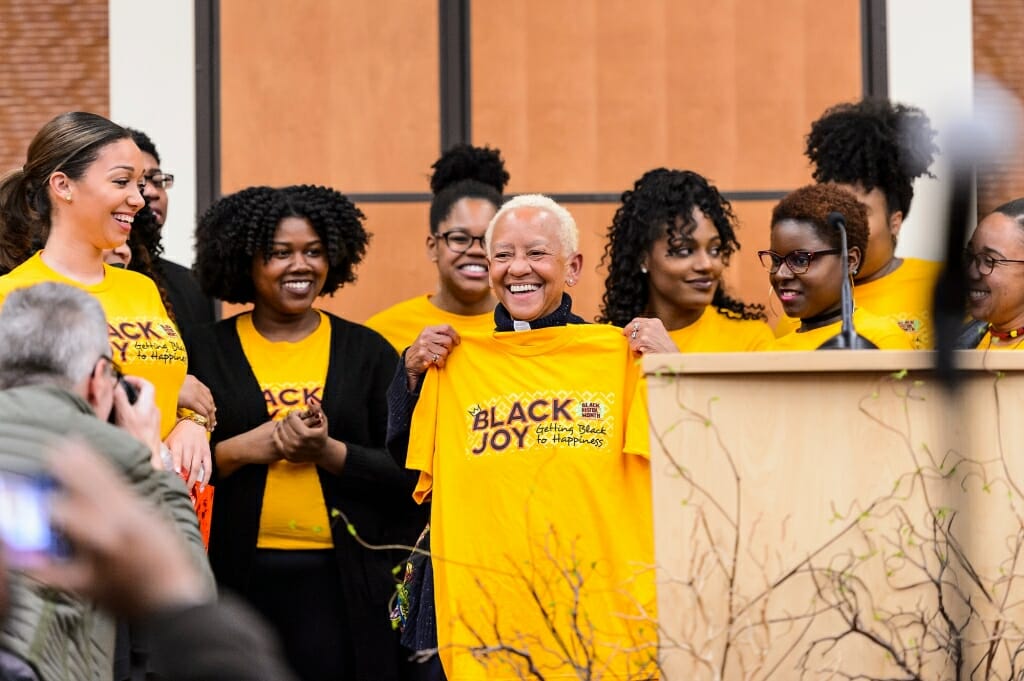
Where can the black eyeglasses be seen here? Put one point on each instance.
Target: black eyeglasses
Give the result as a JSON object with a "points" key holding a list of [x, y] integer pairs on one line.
{"points": [[115, 370], [460, 242], [160, 180], [984, 262], [798, 262]]}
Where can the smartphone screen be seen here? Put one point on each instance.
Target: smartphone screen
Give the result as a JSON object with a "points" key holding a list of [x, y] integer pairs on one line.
{"points": [[25, 527]]}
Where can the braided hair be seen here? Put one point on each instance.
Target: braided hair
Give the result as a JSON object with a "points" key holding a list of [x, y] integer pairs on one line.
{"points": [[462, 172], [242, 225], [663, 201], [873, 143]]}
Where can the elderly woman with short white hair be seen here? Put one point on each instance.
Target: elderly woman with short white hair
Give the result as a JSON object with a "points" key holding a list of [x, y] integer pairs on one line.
{"points": [[531, 443]]}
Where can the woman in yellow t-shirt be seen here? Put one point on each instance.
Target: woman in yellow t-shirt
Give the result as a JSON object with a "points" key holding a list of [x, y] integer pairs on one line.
{"points": [[77, 196], [467, 184], [876, 149], [806, 271], [994, 260], [299, 455], [668, 247], [532, 445]]}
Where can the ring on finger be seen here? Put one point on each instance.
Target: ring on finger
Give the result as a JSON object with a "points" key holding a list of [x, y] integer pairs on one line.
{"points": [[636, 328], [433, 360]]}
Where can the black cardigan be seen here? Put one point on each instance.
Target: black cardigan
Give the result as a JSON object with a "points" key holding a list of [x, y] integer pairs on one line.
{"points": [[373, 491]]}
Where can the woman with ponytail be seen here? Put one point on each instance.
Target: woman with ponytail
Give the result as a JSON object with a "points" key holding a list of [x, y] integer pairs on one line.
{"points": [[467, 184], [77, 196]]}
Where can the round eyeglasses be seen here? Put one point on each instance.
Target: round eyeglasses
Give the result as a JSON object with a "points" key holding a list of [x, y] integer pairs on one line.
{"points": [[798, 262], [160, 180], [984, 262], [460, 242]]}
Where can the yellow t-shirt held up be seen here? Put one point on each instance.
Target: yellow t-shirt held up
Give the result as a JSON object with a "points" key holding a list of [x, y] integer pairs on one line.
{"points": [[294, 514], [143, 340], [401, 323], [533, 448]]}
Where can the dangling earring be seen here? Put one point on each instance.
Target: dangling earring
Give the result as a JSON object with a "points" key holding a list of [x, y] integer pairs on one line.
{"points": [[643, 269], [771, 302]]}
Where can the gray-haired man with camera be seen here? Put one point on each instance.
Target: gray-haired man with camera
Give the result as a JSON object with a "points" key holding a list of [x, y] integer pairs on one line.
{"points": [[57, 380]]}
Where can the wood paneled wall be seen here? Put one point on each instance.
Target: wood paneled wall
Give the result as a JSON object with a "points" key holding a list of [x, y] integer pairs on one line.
{"points": [[580, 96]]}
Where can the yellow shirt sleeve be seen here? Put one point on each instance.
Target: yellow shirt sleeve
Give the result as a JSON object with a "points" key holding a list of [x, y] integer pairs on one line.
{"points": [[423, 436]]}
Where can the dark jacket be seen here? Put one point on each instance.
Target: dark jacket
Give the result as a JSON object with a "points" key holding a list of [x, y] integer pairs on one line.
{"points": [[213, 642], [373, 492], [192, 308], [62, 636]]}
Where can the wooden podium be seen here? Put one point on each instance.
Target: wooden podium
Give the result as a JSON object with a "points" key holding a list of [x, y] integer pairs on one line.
{"points": [[838, 515]]}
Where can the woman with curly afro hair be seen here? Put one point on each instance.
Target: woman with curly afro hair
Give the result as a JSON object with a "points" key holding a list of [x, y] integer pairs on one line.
{"points": [[668, 246], [467, 185], [806, 273], [876, 149], [302, 419]]}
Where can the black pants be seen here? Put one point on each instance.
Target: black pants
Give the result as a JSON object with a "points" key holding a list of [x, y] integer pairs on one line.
{"points": [[299, 594]]}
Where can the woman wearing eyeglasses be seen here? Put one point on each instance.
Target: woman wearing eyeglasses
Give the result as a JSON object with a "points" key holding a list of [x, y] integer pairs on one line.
{"points": [[668, 247], [467, 184], [875, 149], [806, 273], [994, 262]]}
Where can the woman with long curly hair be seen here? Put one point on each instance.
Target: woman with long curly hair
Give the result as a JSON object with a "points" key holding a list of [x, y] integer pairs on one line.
{"points": [[876, 149], [302, 418], [668, 246], [467, 184]]}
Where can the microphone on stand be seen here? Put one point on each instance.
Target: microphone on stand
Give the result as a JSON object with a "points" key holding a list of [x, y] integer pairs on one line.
{"points": [[848, 338]]}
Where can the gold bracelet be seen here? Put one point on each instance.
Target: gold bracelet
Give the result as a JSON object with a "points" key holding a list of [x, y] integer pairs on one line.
{"points": [[189, 415]]}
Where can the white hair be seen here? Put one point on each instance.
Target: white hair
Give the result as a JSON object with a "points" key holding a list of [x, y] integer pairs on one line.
{"points": [[50, 333], [568, 233]]}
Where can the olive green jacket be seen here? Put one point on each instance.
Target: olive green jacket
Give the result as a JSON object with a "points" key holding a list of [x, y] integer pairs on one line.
{"points": [[63, 637]]}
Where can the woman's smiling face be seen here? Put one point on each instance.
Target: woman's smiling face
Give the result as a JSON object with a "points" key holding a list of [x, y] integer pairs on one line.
{"points": [[819, 289], [292, 274], [529, 266], [997, 297]]}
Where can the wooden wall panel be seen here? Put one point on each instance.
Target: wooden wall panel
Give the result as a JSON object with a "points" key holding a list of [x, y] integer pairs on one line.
{"points": [[343, 93], [585, 96], [580, 95]]}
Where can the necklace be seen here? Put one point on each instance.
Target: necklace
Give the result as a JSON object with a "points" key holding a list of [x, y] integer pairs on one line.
{"points": [[1006, 335], [820, 320]]}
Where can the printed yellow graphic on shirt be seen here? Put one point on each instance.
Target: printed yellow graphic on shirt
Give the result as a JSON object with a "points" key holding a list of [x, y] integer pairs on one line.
{"points": [[145, 340], [522, 421], [294, 514], [282, 398]]}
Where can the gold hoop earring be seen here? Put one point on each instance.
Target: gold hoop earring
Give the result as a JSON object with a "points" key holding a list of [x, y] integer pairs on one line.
{"points": [[771, 302]]}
